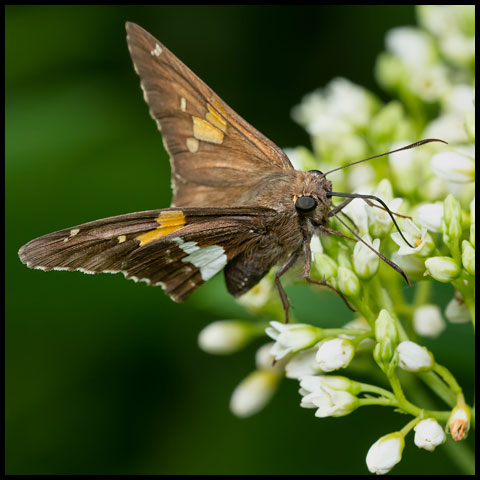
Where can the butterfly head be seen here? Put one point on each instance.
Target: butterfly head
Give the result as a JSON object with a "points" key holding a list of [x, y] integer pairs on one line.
{"points": [[311, 201]]}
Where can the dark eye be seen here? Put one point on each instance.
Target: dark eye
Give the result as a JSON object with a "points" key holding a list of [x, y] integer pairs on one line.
{"points": [[305, 204], [317, 172]]}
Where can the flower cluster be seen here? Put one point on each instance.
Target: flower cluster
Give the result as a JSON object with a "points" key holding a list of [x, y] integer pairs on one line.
{"points": [[430, 192]]}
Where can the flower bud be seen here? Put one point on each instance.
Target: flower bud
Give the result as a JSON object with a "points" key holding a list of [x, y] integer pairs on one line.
{"points": [[430, 215], [385, 453], [302, 364], [335, 353], [324, 266], [254, 392], [225, 336], [330, 395], [413, 357], [429, 434], [457, 310], [443, 269], [428, 321], [292, 337], [468, 257], [452, 219], [348, 282], [385, 328], [365, 262], [459, 422], [454, 167], [265, 360], [386, 335]]}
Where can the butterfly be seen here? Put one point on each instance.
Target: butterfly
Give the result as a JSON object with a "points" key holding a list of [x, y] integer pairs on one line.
{"points": [[238, 204]]}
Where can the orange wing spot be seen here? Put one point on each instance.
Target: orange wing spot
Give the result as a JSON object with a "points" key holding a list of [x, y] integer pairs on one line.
{"points": [[216, 119], [418, 241], [203, 130], [169, 222], [219, 107]]}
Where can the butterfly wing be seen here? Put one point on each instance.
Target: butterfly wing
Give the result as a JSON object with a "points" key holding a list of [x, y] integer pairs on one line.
{"points": [[217, 158], [178, 249]]}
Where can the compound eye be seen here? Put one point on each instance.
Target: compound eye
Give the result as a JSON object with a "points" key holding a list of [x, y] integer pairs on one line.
{"points": [[305, 204], [317, 172]]}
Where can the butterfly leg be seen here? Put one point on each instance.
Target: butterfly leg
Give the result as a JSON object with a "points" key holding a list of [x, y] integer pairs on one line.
{"points": [[283, 269], [339, 207], [323, 283]]}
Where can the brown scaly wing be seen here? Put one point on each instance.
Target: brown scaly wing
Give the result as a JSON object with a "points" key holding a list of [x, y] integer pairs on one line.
{"points": [[178, 249], [215, 155]]}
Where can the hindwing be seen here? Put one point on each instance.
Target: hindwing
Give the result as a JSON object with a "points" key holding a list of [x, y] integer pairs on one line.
{"points": [[178, 249]]}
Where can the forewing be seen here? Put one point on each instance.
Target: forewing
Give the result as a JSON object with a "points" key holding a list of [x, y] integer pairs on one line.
{"points": [[215, 155], [178, 249]]}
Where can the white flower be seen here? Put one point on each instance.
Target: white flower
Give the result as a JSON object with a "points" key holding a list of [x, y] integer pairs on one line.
{"points": [[457, 310], [357, 211], [265, 360], [385, 453], [459, 100], [336, 110], [448, 127], [413, 357], [443, 269], [315, 245], [429, 82], [302, 364], [414, 47], [454, 166], [292, 337], [428, 321], [429, 434], [430, 215], [364, 178], [324, 266], [328, 394], [254, 392], [459, 422], [348, 282], [335, 353], [225, 336], [458, 49], [380, 220], [365, 262], [422, 241], [412, 266]]}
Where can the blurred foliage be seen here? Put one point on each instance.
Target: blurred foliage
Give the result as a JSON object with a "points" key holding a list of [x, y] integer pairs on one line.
{"points": [[103, 375]]}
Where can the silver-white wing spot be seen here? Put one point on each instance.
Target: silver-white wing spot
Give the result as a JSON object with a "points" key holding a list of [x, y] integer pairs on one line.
{"points": [[156, 51], [209, 260]]}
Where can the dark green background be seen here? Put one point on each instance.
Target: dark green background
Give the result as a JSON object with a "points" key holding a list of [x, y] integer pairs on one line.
{"points": [[104, 375]]}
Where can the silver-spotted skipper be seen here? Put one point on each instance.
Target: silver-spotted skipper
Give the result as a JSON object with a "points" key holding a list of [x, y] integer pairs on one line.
{"points": [[238, 204]]}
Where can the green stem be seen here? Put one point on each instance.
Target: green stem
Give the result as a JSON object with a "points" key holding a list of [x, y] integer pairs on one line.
{"points": [[422, 293], [438, 386], [448, 378], [366, 387], [409, 407], [385, 402]]}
